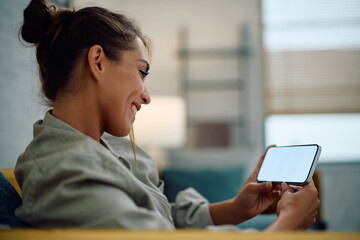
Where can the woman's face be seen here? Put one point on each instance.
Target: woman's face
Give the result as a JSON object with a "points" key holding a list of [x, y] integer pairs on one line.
{"points": [[124, 89]]}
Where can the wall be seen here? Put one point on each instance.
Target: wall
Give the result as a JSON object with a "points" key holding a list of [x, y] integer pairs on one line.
{"points": [[19, 101]]}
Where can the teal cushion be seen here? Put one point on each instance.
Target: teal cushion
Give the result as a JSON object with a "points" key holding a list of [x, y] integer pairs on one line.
{"points": [[214, 184], [260, 222]]}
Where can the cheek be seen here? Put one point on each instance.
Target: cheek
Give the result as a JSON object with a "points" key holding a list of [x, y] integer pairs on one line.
{"points": [[122, 96], [123, 88], [128, 82]]}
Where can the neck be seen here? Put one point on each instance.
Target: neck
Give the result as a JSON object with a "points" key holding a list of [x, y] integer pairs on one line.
{"points": [[79, 112]]}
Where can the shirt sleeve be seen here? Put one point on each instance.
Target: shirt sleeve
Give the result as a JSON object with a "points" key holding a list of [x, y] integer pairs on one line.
{"points": [[191, 210]]}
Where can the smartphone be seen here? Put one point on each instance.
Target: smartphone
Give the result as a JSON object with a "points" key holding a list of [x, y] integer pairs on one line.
{"points": [[290, 164]]}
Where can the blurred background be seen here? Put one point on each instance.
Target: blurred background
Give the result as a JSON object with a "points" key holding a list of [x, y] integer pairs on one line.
{"points": [[227, 79]]}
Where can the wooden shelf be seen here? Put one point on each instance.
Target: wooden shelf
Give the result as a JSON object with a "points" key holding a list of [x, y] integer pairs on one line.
{"points": [[206, 85], [215, 52], [236, 123]]}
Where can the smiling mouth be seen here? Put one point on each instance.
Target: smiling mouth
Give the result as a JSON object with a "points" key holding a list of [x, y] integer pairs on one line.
{"points": [[134, 109]]}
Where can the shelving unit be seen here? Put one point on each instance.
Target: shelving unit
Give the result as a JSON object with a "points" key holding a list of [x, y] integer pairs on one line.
{"points": [[235, 126]]}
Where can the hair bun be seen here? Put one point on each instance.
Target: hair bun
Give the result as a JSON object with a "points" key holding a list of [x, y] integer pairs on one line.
{"points": [[37, 21]]}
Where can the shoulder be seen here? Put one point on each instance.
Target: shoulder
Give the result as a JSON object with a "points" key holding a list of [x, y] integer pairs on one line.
{"points": [[58, 151]]}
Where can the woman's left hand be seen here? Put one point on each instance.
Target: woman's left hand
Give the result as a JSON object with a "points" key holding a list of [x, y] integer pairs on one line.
{"points": [[253, 199]]}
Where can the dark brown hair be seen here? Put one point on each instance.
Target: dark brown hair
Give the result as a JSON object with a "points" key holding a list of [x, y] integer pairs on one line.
{"points": [[62, 37]]}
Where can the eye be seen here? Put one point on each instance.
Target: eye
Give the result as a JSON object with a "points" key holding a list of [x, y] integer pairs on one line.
{"points": [[143, 74]]}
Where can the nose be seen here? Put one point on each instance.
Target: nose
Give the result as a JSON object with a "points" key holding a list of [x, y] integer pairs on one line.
{"points": [[145, 96]]}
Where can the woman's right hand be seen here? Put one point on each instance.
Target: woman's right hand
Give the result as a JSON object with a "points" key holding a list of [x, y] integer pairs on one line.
{"points": [[296, 210]]}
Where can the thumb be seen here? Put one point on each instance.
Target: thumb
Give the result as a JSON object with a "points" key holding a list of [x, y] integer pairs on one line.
{"points": [[285, 188], [261, 187]]}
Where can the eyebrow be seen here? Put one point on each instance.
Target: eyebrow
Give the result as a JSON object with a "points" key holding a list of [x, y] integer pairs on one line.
{"points": [[147, 64]]}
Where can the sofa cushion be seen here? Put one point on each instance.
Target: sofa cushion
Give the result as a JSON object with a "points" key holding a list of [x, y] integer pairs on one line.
{"points": [[9, 201], [214, 184]]}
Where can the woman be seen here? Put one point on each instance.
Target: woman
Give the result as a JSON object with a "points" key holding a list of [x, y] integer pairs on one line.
{"points": [[93, 64]]}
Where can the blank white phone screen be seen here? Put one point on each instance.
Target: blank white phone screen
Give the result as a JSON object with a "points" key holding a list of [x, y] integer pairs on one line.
{"points": [[287, 164]]}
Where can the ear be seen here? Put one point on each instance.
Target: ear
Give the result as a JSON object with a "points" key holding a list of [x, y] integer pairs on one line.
{"points": [[96, 61]]}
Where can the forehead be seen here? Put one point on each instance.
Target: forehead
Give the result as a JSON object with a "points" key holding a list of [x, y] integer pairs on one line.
{"points": [[140, 51]]}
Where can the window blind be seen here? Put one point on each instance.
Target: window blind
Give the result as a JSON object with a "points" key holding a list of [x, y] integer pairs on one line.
{"points": [[312, 56]]}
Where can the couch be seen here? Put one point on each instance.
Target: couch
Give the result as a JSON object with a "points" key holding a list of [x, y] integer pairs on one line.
{"points": [[24, 232]]}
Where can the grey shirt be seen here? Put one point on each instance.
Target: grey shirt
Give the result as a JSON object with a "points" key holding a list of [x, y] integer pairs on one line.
{"points": [[70, 180]]}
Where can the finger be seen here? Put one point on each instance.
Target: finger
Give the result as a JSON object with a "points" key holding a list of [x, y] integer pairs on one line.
{"points": [[296, 188], [317, 204], [311, 189], [310, 185], [260, 187], [285, 188], [277, 186], [258, 166], [276, 194]]}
